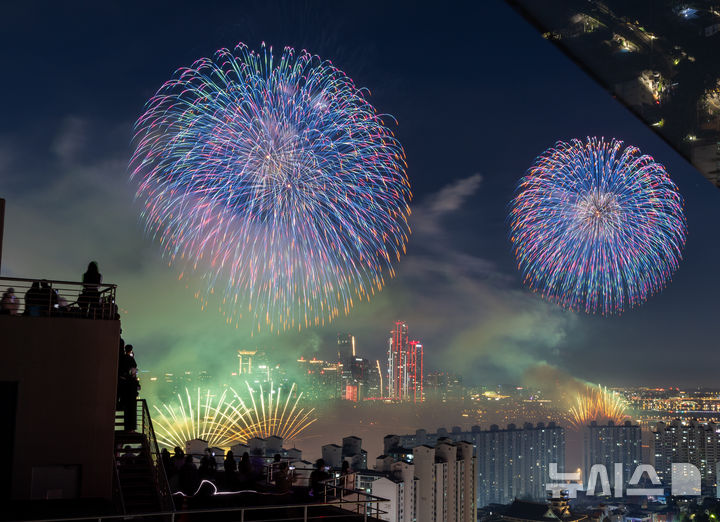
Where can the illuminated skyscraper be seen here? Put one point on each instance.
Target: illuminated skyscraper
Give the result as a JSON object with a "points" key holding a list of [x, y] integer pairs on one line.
{"points": [[254, 363], [415, 372], [405, 366], [346, 346], [245, 361]]}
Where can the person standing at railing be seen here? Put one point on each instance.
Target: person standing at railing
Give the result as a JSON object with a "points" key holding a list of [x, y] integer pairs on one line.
{"points": [[48, 297], [189, 478], [347, 477], [128, 387], [230, 468], [282, 477], [245, 471], [208, 465], [90, 297], [318, 475], [127, 364], [10, 303], [173, 471], [33, 300], [165, 458], [275, 466]]}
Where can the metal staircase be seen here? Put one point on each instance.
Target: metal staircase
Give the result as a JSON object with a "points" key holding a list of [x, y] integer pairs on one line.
{"points": [[143, 486]]}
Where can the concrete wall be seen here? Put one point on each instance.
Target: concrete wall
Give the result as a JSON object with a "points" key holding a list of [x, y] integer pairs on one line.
{"points": [[424, 460], [448, 453], [406, 473], [465, 452], [66, 372], [332, 455], [351, 446], [386, 488]]}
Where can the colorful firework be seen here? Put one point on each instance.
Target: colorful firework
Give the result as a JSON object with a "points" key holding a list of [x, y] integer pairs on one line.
{"points": [[205, 416], [275, 180], [597, 404], [270, 414], [595, 229]]}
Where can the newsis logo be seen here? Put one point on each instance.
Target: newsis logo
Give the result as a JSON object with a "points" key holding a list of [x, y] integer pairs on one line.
{"points": [[684, 481]]}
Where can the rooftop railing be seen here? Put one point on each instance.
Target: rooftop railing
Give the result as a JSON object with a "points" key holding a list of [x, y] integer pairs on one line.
{"points": [[344, 511], [51, 298]]}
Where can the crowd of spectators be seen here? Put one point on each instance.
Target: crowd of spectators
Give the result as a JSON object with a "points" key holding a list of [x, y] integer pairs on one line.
{"points": [[244, 474], [41, 299]]}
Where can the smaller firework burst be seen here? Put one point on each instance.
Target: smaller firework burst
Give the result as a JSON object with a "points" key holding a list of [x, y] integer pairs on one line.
{"points": [[217, 419], [597, 226], [268, 413], [597, 404]]}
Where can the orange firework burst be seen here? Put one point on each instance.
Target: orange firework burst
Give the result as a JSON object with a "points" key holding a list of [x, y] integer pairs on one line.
{"points": [[597, 404]]}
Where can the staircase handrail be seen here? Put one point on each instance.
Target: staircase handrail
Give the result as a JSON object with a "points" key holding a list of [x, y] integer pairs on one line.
{"points": [[159, 474]]}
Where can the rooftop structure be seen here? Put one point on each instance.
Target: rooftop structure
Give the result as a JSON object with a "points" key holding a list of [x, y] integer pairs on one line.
{"points": [[658, 58]]}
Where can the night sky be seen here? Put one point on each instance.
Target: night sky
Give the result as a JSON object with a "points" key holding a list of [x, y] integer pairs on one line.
{"points": [[477, 94]]}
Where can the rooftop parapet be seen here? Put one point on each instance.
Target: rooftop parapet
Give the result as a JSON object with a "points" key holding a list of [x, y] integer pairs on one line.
{"points": [[53, 298]]}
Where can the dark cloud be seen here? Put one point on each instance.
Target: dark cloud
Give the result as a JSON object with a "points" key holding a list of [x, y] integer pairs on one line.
{"points": [[71, 139]]}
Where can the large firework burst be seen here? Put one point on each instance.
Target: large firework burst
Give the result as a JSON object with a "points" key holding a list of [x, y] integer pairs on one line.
{"points": [[597, 404], [277, 181], [595, 227]]}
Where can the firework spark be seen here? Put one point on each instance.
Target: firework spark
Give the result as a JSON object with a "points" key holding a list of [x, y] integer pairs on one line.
{"points": [[230, 418], [277, 181], [205, 416], [597, 404], [269, 414], [597, 229]]}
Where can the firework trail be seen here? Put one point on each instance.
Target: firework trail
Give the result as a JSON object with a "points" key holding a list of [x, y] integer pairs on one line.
{"points": [[597, 228], [277, 181], [205, 416], [270, 414], [227, 419], [597, 404]]}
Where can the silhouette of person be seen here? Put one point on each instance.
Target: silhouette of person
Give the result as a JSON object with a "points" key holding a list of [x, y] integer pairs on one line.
{"points": [[128, 456], [165, 458], [33, 300], [189, 479], [128, 387], [178, 459], [318, 475], [347, 479], [90, 297], [275, 466], [207, 464], [282, 478], [230, 470], [47, 298], [127, 365], [245, 470], [10, 303], [229, 465]]}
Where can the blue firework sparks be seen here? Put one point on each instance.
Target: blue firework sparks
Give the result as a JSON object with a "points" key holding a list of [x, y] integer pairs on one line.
{"points": [[277, 180], [596, 227]]}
